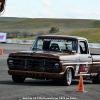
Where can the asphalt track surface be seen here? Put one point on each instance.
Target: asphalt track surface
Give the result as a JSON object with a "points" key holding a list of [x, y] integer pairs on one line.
{"points": [[33, 89]]}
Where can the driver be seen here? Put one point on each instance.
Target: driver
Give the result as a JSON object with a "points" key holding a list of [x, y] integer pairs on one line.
{"points": [[54, 46]]}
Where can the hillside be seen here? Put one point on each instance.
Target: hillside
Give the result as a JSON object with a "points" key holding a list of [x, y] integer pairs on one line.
{"points": [[13, 23], [11, 18], [92, 34], [79, 27]]}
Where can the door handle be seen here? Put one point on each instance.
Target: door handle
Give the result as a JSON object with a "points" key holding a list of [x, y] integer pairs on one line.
{"points": [[77, 59], [89, 56]]}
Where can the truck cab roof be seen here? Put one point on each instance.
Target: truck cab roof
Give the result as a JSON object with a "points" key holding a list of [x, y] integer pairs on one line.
{"points": [[62, 36]]}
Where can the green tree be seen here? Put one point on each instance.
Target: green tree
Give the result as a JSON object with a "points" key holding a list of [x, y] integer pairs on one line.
{"points": [[54, 30], [96, 24]]}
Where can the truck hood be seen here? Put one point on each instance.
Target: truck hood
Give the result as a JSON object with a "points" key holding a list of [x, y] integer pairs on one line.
{"points": [[46, 54]]}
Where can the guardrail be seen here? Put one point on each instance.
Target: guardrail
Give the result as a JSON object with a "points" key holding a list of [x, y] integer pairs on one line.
{"points": [[18, 41], [94, 45]]}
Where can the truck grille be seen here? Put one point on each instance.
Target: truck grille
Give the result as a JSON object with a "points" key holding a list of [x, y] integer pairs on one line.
{"points": [[34, 64]]}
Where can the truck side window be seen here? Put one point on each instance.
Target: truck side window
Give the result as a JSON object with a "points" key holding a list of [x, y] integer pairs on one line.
{"points": [[83, 49], [39, 44]]}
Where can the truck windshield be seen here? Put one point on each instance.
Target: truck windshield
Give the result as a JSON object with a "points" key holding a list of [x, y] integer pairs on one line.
{"points": [[61, 45]]}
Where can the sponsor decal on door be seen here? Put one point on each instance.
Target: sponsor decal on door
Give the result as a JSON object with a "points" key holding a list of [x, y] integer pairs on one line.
{"points": [[84, 69]]}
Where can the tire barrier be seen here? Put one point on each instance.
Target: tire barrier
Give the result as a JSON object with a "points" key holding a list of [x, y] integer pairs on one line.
{"points": [[26, 42], [94, 45], [18, 41], [8, 41]]}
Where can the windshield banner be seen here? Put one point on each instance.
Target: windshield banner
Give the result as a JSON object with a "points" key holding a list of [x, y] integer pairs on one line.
{"points": [[2, 37]]}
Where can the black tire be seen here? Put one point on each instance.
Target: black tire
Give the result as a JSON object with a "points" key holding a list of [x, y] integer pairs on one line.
{"points": [[18, 79], [67, 78], [96, 80]]}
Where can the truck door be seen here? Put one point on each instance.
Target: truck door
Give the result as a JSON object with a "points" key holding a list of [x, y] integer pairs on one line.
{"points": [[85, 59]]}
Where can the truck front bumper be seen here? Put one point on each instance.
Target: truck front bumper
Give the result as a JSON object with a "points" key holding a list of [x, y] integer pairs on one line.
{"points": [[34, 74]]}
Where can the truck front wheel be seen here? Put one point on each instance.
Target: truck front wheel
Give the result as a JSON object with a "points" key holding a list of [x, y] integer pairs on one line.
{"points": [[19, 79], [67, 78], [96, 80]]}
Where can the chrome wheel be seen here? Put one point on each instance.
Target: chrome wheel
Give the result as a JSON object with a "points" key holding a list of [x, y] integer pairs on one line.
{"points": [[69, 76]]}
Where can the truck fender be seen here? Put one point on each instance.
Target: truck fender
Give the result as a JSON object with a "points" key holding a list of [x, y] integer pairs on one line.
{"points": [[72, 68]]}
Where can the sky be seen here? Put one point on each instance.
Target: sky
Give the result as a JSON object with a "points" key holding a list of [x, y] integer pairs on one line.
{"points": [[67, 9]]}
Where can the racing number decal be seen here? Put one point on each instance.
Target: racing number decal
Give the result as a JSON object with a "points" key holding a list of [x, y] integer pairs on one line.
{"points": [[77, 69], [85, 68]]}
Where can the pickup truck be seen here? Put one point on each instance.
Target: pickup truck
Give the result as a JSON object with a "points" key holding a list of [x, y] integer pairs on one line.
{"points": [[56, 57]]}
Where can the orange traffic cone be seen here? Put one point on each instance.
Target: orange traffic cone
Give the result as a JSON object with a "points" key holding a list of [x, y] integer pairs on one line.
{"points": [[1, 52], [80, 86]]}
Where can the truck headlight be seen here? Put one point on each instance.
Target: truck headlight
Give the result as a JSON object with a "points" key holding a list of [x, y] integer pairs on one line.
{"points": [[10, 62], [56, 65]]}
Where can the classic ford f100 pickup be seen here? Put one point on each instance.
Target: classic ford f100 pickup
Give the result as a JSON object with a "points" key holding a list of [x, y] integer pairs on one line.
{"points": [[57, 57]]}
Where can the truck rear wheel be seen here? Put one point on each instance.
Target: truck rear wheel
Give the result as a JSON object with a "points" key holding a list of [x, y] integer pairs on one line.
{"points": [[96, 80], [67, 78], [18, 79]]}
